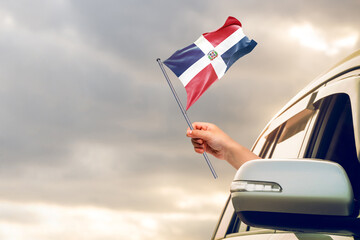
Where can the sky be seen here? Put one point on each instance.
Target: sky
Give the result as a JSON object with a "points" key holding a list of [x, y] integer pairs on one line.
{"points": [[92, 143]]}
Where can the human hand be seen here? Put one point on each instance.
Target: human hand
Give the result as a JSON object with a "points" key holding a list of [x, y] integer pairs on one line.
{"points": [[207, 137]]}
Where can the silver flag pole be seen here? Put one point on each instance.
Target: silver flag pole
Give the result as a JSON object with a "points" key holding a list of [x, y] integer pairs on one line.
{"points": [[184, 113]]}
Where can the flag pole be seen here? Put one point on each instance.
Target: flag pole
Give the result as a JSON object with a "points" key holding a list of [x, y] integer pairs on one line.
{"points": [[184, 113]]}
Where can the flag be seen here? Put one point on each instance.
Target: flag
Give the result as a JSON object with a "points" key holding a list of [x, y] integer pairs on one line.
{"points": [[206, 60]]}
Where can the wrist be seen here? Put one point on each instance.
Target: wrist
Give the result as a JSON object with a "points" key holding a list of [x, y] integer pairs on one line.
{"points": [[238, 155], [233, 151]]}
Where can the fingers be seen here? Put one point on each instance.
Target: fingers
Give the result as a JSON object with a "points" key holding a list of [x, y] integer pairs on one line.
{"points": [[199, 150], [201, 125], [205, 135], [198, 144], [199, 135], [197, 141]]}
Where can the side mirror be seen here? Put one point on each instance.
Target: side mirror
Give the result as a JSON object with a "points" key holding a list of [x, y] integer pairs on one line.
{"points": [[288, 194]]}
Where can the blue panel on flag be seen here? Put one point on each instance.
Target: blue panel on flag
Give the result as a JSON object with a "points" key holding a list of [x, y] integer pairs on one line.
{"points": [[182, 59], [243, 47]]}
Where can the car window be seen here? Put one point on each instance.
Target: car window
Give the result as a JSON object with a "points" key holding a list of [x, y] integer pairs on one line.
{"points": [[266, 151], [229, 222], [333, 137], [291, 138], [225, 220], [287, 139]]}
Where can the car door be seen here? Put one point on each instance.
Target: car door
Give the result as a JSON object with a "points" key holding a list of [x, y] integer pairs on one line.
{"points": [[323, 125]]}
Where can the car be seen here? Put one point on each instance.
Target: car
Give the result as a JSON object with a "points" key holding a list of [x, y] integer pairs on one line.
{"points": [[307, 183]]}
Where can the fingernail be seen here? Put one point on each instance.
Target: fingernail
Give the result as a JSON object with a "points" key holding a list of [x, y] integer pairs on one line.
{"points": [[189, 132]]}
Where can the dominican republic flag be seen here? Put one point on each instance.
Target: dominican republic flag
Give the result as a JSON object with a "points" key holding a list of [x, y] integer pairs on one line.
{"points": [[206, 60]]}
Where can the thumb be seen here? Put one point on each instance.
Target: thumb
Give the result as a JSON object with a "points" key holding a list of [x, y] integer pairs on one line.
{"points": [[203, 134]]}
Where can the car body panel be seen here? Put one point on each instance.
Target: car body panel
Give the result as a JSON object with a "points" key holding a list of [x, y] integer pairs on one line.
{"points": [[343, 78]]}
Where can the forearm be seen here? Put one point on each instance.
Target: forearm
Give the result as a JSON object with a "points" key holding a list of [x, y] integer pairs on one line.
{"points": [[236, 155]]}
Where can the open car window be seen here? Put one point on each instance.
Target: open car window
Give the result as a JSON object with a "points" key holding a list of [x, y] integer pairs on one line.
{"points": [[333, 137]]}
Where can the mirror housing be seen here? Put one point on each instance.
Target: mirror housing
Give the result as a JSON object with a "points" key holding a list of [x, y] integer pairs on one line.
{"points": [[289, 194]]}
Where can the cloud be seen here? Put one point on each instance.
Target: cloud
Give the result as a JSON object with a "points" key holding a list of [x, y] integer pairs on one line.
{"points": [[89, 129], [313, 38], [59, 222]]}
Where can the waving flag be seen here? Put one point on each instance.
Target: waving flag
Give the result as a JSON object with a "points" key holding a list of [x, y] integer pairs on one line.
{"points": [[206, 60]]}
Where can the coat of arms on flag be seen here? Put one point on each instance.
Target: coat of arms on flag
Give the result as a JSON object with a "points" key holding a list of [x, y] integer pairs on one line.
{"points": [[206, 60]]}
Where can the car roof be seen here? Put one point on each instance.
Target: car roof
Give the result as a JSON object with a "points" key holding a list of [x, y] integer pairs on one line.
{"points": [[348, 64]]}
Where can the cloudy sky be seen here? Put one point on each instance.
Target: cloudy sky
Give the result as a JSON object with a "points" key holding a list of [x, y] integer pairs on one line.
{"points": [[92, 143]]}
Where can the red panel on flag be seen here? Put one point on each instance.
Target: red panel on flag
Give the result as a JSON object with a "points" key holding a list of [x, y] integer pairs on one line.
{"points": [[230, 26], [199, 84]]}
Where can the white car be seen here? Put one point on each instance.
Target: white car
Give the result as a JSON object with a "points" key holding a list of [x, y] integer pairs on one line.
{"points": [[307, 186]]}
